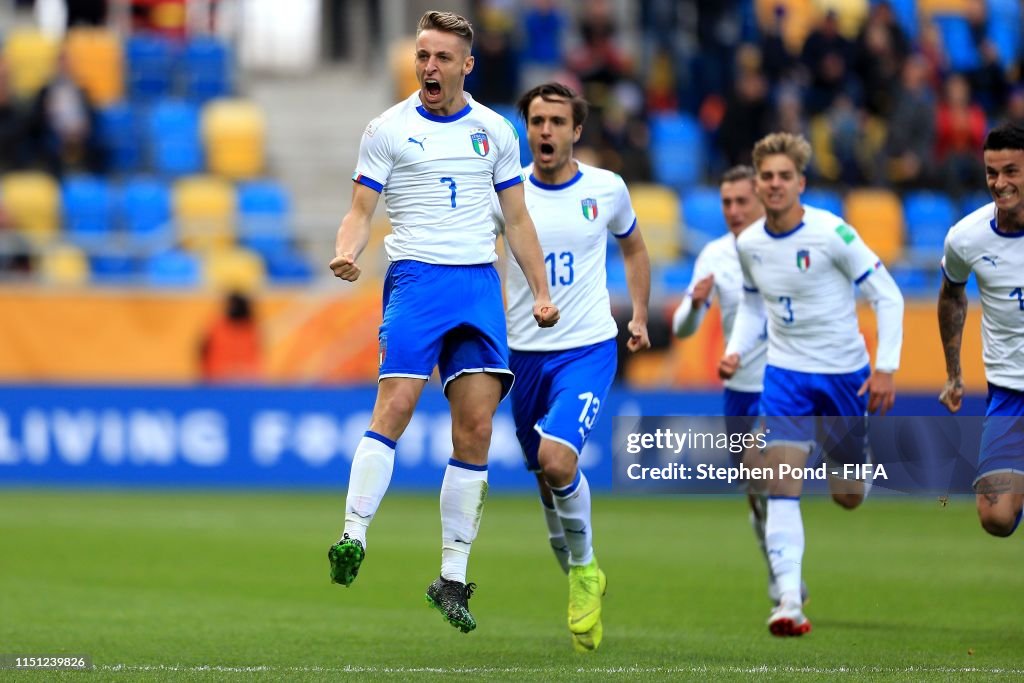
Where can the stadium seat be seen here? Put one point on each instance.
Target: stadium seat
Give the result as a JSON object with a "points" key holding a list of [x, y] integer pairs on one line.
{"points": [[120, 134], [234, 134], [150, 67], [32, 200], [65, 265], [672, 279], [31, 58], [289, 267], [617, 284], [96, 60], [821, 198], [958, 42], [173, 269], [207, 69], [878, 216], [1004, 29], [173, 137], [233, 269], [116, 269], [974, 201], [264, 210], [145, 211], [87, 206], [928, 216], [702, 215], [677, 150], [204, 211], [657, 211]]}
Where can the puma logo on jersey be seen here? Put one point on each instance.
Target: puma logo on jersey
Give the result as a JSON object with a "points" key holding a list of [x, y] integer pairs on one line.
{"points": [[992, 260], [418, 142]]}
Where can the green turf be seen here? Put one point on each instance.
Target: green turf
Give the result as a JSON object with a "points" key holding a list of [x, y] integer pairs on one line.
{"points": [[900, 589]]}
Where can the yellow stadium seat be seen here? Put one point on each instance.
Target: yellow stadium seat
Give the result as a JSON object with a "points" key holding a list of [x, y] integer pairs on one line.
{"points": [[32, 200], [234, 135], [204, 211], [800, 17], [31, 57], [65, 265], [96, 60], [658, 216], [402, 57], [877, 215], [234, 270], [927, 8]]}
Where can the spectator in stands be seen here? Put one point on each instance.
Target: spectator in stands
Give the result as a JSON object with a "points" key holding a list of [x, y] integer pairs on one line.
{"points": [[86, 12], [599, 60], [910, 142], [881, 49], [828, 58], [1015, 107], [232, 350], [12, 126], [495, 75], [747, 111], [544, 23], [959, 134], [778, 63], [789, 112], [989, 80], [62, 125]]}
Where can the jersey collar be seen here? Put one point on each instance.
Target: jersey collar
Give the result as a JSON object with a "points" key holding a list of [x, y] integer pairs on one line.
{"points": [[422, 111], [1011, 235], [559, 186]]}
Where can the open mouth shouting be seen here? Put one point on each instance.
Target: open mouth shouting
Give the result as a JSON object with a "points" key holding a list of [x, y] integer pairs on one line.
{"points": [[547, 152], [432, 90]]}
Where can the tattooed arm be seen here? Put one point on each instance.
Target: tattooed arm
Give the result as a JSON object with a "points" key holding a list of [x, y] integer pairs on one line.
{"points": [[952, 314]]}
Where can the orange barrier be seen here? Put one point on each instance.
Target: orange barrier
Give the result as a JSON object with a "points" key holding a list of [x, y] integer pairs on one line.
{"points": [[330, 336]]}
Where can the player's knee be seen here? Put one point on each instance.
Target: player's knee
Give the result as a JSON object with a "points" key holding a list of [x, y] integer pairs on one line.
{"points": [[472, 433], [997, 522], [557, 464], [848, 501]]}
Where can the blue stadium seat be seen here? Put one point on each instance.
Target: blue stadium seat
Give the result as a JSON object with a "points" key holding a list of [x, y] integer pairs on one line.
{"points": [[264, 209], [87, 206], [905, 12], [1004, 29], [928, 217], [956, 38], [120, 136], [288, 267], [145, 209], [974, 201], [674, 278], [702, 216], [616, 268], [821, 198], [151, 62], [173, 269], [113, 269], [173, 136], [512, 114], [207, 69], [677, 150], [917, 282]]}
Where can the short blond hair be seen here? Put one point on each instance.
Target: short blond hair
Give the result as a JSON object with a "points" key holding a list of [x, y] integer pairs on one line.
{"points": [[793, 146], [447, 22]]}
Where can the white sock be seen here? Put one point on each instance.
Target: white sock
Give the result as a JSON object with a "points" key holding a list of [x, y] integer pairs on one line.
{"points": [[556, 536], [368, 481], [784, 537], [463, 493], [573, 505]]}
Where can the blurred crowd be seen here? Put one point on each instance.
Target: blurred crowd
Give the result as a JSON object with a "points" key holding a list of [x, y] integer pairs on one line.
{"points": [[883, 103]]}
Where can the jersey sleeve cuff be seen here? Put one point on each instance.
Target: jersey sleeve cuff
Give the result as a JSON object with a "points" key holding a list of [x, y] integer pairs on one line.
{"points": [[949, 279], [629, 232], [369, 182], [498, 187], [752, 290]]}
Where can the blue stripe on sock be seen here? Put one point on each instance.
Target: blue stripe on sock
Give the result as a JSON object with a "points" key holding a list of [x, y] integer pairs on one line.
{"points": [[783, 497], [568, 490], [380, 437], [452, 462]]}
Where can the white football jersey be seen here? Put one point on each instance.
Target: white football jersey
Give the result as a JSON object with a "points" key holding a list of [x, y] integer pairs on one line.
{"points": [[721, 259], [997, 260], [437, 174], [573, 221], [806, 278]]}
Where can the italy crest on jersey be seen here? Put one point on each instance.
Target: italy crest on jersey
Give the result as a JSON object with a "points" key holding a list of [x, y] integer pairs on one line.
{"points": [[480, 143], [589, 208], [803, 260]]}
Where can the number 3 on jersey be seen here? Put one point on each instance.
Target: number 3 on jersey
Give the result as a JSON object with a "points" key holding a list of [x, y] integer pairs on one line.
{"points": [[787, 304], [561, 273], [451, 185]]}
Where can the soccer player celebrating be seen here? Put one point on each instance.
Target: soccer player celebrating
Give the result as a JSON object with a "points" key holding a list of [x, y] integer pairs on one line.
{"points": [[439, 156], [989, 243], [717, 273], [800, 263], [563, 375]]}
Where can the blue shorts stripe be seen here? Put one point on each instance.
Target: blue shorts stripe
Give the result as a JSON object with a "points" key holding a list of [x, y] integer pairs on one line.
{"points": [[452, 462], [380, 437]]}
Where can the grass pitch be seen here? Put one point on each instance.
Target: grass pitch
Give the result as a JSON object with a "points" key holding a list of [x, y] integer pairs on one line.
{"points": [[232, 586]]}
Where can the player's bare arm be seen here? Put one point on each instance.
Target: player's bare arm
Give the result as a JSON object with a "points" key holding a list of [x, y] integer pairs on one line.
{"points": [[702, 290], [522, 239], [881, 390], [952, 315], [728, 365], [354, 233], [638, 280]]}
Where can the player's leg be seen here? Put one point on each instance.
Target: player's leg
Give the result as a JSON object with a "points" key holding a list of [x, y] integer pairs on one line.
{"points": [[845, 438], [556, 534], [786, 401], [1000, 482], [410, 340], [1000, 501]]}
